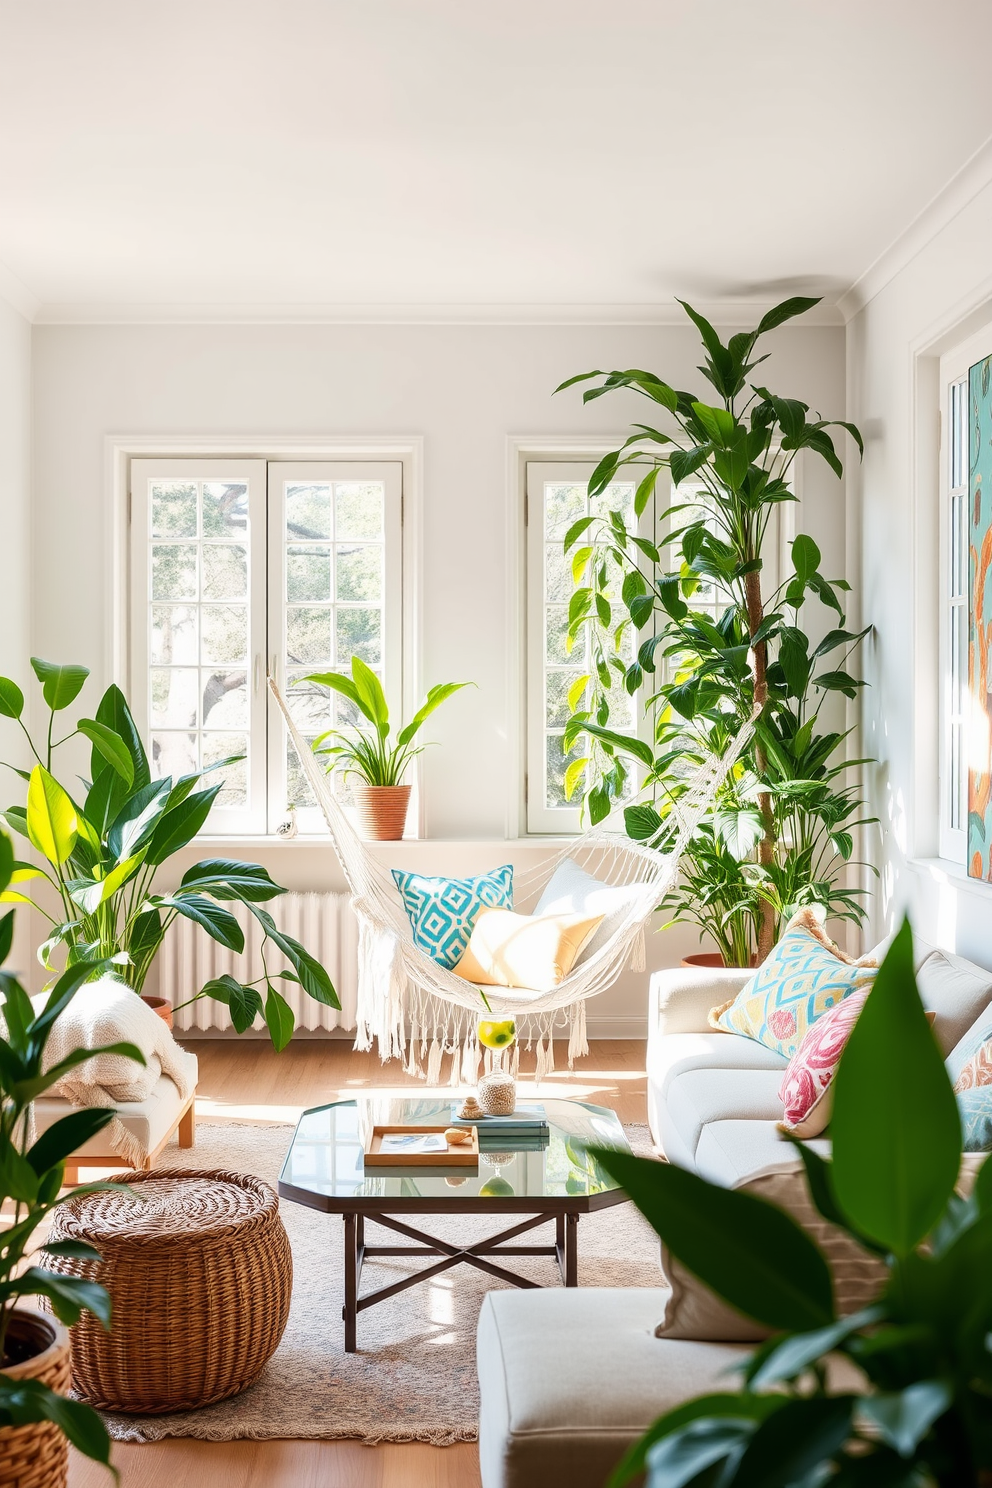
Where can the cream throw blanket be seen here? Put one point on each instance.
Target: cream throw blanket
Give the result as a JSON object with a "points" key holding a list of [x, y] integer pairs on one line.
{"points": [[108, 1012]]}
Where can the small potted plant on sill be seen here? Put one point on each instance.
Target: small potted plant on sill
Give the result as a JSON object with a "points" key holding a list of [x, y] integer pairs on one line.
{"points": [[36, 1419], [103, 852], [381, 798]]}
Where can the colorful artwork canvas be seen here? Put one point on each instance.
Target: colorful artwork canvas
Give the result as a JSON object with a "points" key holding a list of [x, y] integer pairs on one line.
{"points": [[980, 627]]}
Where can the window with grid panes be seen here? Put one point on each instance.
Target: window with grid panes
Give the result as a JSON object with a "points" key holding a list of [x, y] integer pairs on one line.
{"points": [[243, 567]]}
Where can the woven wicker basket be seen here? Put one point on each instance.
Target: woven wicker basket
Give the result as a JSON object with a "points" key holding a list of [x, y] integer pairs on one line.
{"points": [[200, 1275], [37, 1456]]}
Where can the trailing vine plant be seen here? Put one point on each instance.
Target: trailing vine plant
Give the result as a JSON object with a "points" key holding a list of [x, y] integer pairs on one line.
{"points": [[713, 643]]}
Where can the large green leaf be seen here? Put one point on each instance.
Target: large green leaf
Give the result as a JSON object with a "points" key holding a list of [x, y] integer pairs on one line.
{"points": [[371, 698], [244, 1003], [435, 697], [278, 1017], [135, 823], [51, 817], [750, 1253], [25, 1402], [229, 878], [115, 714], [219, 923], [89, 895], [742, 1408], [903, 1418], [70, 1296], [11, 699], [60, 685], [65, 1135], [797, 305], [109, 746], [313, 978], [790, 1445], [896, 1129], [180, 824]]}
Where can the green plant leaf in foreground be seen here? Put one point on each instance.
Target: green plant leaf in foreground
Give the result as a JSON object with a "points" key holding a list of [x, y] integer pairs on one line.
{"points": [[895, 1126], [752, 1254]]}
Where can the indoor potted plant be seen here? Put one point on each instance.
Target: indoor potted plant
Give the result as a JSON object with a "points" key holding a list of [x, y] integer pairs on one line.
{"points": [[381, 797], [715, 642], [103, 854], [916, 1409], [35, 1417]]}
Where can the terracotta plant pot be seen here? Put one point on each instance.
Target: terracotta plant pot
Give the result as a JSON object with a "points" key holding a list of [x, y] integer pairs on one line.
{"points": [[382, 811], [161, 1007], [36, 1456]]}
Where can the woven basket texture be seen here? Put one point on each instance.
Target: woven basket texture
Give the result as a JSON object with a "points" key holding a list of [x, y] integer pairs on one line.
{"points": [[37, 1456], [200, 1274]]}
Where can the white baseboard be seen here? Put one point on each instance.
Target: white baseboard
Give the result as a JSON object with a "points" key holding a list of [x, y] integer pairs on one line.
{"points": [[617, 1028]]}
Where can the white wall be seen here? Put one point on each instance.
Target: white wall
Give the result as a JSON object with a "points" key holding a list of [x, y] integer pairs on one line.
{"points": [[465, 389], [943, 293]]}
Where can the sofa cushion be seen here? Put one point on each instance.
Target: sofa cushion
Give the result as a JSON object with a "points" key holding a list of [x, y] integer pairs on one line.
{"points": [[732, 1152], [148, 1122], [957, 992], [515, 950], [697, 1097], [678, 1052], [569, 1378], [571, 890]]}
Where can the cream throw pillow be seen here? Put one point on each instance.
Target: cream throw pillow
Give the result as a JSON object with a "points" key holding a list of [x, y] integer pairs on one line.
{"points": [[515, 950]]}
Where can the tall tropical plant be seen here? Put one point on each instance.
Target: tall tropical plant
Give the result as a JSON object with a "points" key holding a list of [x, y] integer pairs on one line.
{"points": [[103, 853], [921, 1414], [714, 642]]}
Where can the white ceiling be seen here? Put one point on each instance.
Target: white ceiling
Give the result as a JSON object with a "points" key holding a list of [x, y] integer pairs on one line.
{"points": [[293, 156]]}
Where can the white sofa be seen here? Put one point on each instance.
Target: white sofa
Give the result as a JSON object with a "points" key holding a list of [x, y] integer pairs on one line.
{"points": [[569, 1379]]}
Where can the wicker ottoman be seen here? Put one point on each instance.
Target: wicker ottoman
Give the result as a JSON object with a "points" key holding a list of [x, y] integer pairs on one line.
{"points": [[200, 1275]]}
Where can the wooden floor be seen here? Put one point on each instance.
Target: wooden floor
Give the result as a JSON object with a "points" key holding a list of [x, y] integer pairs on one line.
{"points": [[245, 1081]]}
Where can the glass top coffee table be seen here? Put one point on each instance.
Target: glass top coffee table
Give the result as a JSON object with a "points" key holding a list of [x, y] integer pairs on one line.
{"points": [[560, 1180]]}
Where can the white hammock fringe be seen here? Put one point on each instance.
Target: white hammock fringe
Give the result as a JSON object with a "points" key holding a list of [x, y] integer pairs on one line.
{"points": [[416, 1010]]}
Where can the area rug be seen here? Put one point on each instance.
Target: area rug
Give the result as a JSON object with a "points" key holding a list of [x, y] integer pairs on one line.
{"points": [[413, 1377]]}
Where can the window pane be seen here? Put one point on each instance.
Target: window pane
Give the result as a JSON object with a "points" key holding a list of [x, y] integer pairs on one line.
{"points": [[959, 546], [557, 574], [619, 496], [225, 509], [308, 636], [359, 573], [174, 754], [563, 504], [174, 634], [225, 633], [556, 633], [174, 509], [173, 571], [308, 574], [310, 706], [359, 633], [235, 776], [557, 711], [358, 509], [225, 572], [174, 697], [557, 763], [308, 511], [298, 792], [224, 699]]}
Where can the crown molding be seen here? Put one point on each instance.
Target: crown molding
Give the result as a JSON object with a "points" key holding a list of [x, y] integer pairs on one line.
{"points": [[17, 294], [973, 177], [729, 312]]}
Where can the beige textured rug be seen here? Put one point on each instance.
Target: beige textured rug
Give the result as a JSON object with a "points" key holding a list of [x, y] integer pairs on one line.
{"points": [[413, 1377]]}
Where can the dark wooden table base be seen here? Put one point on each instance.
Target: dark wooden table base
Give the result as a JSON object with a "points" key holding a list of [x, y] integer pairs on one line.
{"points": [[564, 1250]]}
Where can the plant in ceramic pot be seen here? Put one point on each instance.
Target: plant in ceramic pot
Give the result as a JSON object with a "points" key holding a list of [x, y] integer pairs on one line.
{"points": [[915, 1408], [684, 610], [381, 797], [104, 851], [35, 1417]]}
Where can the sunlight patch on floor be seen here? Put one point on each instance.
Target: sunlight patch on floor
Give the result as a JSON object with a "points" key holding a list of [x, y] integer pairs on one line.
{"points": [[214, 1110]]}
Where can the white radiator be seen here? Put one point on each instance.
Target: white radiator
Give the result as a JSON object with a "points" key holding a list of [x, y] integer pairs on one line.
{"points": [[323, 923]]}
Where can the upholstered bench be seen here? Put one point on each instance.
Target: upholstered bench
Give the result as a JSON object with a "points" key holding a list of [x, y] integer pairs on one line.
{"points": [[151, 1123]]}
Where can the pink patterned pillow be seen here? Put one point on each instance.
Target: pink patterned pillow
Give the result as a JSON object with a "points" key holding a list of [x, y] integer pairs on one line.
{"points": [[806, 1087]]}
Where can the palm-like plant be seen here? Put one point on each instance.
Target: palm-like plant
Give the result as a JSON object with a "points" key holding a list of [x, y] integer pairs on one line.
{"points": [[716, 643], [921, 1416], [104, 852]]}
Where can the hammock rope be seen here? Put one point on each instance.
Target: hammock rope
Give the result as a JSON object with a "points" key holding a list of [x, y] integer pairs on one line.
{"points": [[416, 1010]]}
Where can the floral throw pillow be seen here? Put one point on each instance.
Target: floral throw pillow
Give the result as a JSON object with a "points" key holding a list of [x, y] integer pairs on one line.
{"points": [[806, 1091], [804, 976]]}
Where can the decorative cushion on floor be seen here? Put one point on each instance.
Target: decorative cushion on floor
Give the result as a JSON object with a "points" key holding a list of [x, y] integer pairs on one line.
{"points": [[571, 890], [443, 911], [804, 976], [514, 950]]}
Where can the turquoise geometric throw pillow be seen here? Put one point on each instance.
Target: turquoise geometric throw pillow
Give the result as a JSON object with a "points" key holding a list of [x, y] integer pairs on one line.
{"points": [[442, 911]]}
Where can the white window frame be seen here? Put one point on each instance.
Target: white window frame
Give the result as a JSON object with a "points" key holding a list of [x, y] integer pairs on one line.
{"points": [[953, 793], [540, 818], [281, 473], [120, 453], [236, 820]]}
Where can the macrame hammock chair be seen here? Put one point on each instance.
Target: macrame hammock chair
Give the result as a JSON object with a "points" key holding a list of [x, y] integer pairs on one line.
{"points": [[418, 1011]]}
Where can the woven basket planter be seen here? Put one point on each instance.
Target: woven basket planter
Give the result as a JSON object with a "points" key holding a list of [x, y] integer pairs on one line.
{"points": [[381, 810], [36, 1456], [200, 1275]]}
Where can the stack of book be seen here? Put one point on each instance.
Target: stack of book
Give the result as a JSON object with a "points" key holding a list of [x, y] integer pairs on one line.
{"points": [[524, 1129]]}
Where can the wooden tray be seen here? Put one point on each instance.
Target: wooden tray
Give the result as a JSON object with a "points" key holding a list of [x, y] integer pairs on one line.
{"points": [[464, 1155]]}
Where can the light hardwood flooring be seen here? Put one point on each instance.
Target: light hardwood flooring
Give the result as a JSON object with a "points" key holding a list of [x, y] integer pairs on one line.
{"points": [[247, 1080]]}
